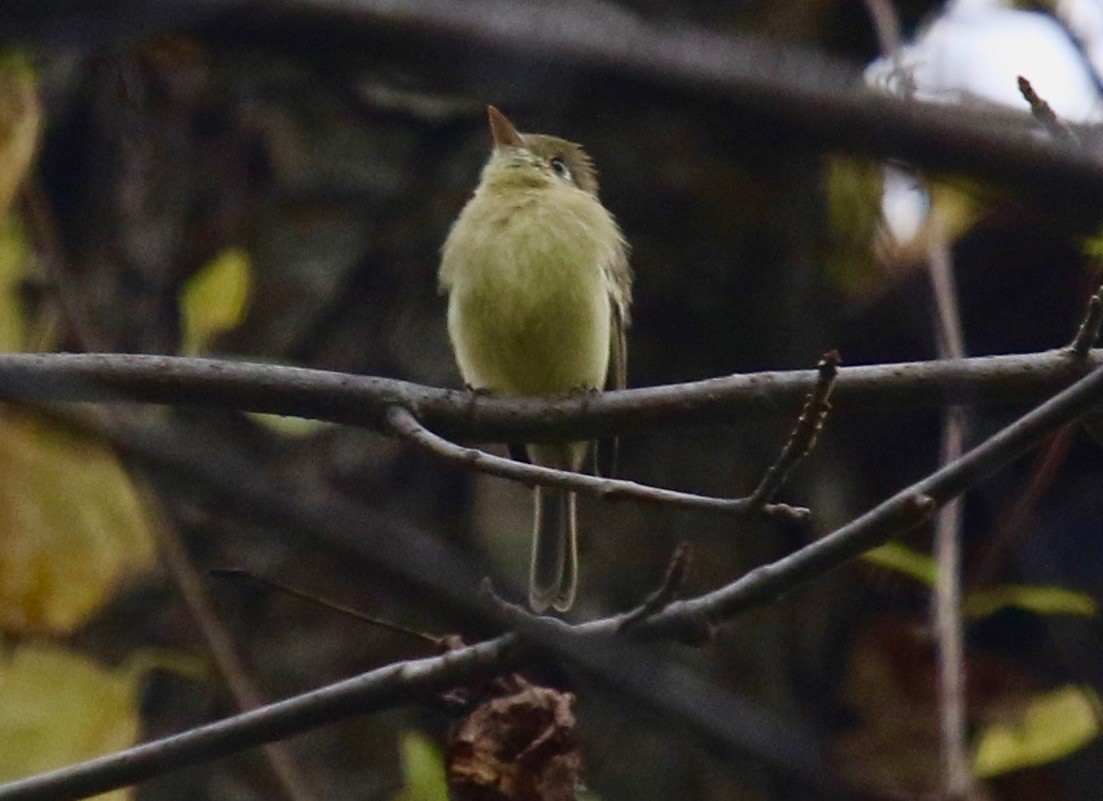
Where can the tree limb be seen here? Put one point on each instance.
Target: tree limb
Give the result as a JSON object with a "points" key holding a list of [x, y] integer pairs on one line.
{"points": [[593, 646], [460, 415], [781, 94], [402, 423]]}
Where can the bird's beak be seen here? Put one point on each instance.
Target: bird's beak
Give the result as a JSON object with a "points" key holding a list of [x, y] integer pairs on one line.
{"points": [[502, 130]]}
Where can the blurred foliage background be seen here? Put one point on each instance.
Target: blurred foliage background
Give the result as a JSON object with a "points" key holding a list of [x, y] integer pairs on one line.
{"points": [[276, 188]]}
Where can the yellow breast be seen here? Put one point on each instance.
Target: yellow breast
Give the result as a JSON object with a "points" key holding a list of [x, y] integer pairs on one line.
{"points": [[527, 272]]}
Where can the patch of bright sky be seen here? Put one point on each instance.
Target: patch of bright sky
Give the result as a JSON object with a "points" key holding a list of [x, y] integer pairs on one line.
{"points": [[974, 52]]}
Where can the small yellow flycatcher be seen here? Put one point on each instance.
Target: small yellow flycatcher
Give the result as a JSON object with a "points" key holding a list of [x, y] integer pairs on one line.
{"points": [[539, 288]]}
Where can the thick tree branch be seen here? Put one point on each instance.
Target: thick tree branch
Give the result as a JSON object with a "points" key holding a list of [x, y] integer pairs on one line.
{"points": [[784, 94], [593, 646], [402, 423], [459, 415]]}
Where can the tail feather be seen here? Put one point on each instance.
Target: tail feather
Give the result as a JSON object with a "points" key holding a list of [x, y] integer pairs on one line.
{"points": [[554, 575], [568, 582]]}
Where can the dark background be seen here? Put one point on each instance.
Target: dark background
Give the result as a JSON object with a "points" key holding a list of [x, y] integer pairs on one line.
{"points": [[337, 153]]}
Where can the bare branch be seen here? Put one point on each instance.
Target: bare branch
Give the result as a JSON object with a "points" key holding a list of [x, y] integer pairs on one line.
{"points": [[1045, 114], [348, 611], [900, 513], [788, 94], [886, 24], [807, 429], [403, 424], [592, 645], [664, 594], [459, 415], [948, 622], [246, 696], [1088, 333]]}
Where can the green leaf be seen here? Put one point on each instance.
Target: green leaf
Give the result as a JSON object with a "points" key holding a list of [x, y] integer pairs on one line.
{"points": [[214, 300], [852, 190], [423, 764], [902, 559], [287, 426], [1038, 600], [1052, 727], [15, 266], [20, 124], [979, 604]]}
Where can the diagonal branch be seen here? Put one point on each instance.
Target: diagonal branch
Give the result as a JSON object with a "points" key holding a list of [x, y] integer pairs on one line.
{"points": [[593, 645], [403, 424]]}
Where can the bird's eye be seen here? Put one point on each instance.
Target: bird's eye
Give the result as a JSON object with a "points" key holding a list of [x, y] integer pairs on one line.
{"points": [[560, 168]]}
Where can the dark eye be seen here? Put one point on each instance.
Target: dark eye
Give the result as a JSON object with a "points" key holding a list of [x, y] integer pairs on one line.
{"points": [[560, 168]]}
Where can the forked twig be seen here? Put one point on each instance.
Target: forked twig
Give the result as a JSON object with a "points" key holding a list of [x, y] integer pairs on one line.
{"points": [[665, 593], [402, 423], [405, 681]]}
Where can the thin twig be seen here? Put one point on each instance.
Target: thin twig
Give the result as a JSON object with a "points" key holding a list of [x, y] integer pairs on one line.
{"points": [[1088, 333], [1012, 523], [1045, 114], [190, 586], [948, 623], [404, 425], [593, 644], [886, 25], [665, 593], [458, 415], [333, 606], [805, 432]]}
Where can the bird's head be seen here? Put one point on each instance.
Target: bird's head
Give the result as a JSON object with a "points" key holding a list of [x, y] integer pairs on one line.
{"points": [[534, 160]]}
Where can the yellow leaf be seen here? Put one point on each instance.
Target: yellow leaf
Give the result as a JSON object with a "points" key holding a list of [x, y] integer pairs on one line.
{"points": [[1093, 246], [20, 124], [979, 604], [424, 768], [1053, 726], [214, 300], [71, 526], [290, 427], [902, 559], [58, 707], [15, 266], [852, 193], [1039, 600]]}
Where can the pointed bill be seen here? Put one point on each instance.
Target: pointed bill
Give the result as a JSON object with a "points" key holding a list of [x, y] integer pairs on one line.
{"points": [[502, 130]]}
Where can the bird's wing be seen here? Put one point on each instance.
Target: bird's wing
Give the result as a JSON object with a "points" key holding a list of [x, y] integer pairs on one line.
{"points": [[620, 298], [619, 276]]}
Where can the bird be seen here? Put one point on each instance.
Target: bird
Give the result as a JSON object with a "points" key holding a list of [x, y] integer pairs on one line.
{"points": [[539, 292]]}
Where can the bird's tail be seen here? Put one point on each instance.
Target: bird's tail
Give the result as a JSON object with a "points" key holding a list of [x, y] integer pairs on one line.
{"points": [[554, 576]]}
